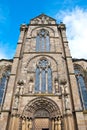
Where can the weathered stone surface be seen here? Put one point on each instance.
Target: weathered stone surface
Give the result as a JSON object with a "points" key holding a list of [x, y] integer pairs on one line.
{"points": [[21, 103]]}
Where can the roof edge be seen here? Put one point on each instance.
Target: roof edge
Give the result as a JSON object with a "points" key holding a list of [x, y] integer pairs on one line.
{"points": [[11, 60], [82, 59], [44, 15]]}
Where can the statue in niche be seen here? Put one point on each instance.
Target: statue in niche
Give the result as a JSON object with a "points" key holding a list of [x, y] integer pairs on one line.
{"points": [[30, 88], [67, 104], [16, 101], [17, 91], [56, 85], [66, 90], [20, 87], [63, 82]]}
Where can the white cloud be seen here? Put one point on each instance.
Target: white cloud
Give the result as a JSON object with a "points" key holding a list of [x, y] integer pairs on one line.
{"points": [[2, 55], [76, 23]]}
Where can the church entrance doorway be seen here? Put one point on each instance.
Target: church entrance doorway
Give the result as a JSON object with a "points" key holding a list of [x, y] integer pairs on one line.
{"points": [[41, 124], [42, 114]]}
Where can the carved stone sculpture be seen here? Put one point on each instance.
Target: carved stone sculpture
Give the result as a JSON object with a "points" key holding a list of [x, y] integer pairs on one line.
{"points": [[20, 86], [16, 101], [67, 103], [30, 88], [56, 85]]}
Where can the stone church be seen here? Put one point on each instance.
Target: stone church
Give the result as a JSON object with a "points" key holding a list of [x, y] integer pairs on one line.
{"points": [[43, 88]]}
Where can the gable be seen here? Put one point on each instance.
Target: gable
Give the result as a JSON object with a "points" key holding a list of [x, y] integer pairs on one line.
{"points": [[42, 19]]}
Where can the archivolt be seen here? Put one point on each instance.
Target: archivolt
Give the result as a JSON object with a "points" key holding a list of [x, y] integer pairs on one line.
{"points": [[41, 103], [46, 28], [79, 67], [45, 56]]}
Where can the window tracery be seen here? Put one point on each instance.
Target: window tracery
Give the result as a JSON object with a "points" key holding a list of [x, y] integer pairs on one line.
{"points": [[81, 88], [43, 81], [43, 41], [3, 84]]}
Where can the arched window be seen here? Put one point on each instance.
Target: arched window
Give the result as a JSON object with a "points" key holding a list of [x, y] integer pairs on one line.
{"points": [[43, 81], [3, 83], [43, 41], [81, 88]]}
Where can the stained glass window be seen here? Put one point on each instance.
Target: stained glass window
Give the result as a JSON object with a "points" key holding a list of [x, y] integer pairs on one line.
{"points": [[42, 41], [47, 43], [3, 83], [37, 43], [37, 82], [81, 88], [49, 80], [43, 81]]}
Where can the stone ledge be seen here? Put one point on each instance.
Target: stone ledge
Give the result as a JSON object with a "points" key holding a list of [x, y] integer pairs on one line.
{"points": [[40, 94], [85, 112], [6, 111]]}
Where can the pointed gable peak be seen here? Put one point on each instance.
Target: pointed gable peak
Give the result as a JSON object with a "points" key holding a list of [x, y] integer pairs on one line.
{"points": [[43, 19]]}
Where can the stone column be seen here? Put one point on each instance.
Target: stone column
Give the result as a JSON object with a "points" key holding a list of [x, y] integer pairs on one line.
{"points": [[27, 124], [13, 122], [30, 124], [59, 124], [56, 124], [23, 124], [16, 123], [52, 124]]}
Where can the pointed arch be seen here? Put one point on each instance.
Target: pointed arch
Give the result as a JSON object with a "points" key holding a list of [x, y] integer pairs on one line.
{"points": [[43, 41], [79, 73], [3, 83], [41, 103], [43, 81]]}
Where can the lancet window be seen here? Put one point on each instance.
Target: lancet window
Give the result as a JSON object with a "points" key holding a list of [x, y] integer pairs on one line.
{"points": [[81, 88], [43, 81], [43, 41], [3, 84]]}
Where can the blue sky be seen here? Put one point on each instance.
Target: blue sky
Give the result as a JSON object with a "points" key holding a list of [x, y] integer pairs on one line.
{"points": [[72, 12]]}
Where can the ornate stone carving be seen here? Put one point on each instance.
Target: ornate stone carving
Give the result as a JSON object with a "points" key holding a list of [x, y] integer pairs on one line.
{"points": [[41, 113], [39, 104], [67, 103], [30, 88], [17, 91], [16, 101], [20, 86], [20, 82], [43, 19], [63, 81], [56, 84]]}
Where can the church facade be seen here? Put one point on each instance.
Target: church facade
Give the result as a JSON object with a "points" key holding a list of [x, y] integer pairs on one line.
{"points": [[43, 88]]}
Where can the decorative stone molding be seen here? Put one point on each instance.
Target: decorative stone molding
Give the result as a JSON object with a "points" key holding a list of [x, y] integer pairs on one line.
{"points": [[40, 103], [20, 82], [30, 85], [43, 19], [56, 85], [63, 81], [23, 27], [20, 86]]}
